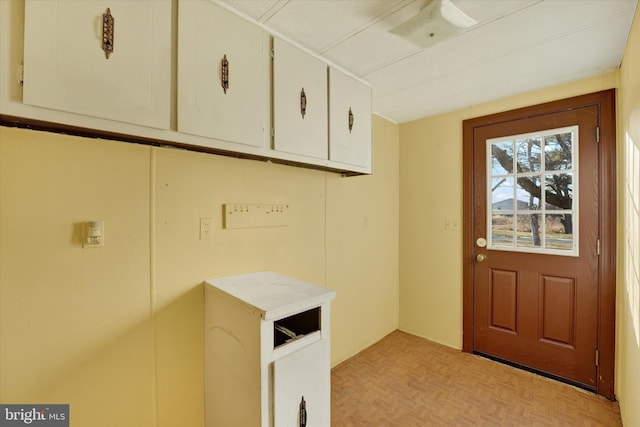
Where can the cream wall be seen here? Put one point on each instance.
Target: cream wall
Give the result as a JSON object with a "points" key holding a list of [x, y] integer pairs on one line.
{"points": [[628, 307], [363, 248], [75, 325], [117, 331], [430, 192]]}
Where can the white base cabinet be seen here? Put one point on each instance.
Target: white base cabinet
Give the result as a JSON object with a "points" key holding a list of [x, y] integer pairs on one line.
{"points": [[302, 375], [267, 353]]}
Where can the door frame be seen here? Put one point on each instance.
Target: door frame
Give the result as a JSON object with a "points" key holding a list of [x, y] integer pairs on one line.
{"points": [[605, 102]]}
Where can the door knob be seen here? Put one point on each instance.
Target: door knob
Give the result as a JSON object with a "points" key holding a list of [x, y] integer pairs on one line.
{"points": [[481, 257]]}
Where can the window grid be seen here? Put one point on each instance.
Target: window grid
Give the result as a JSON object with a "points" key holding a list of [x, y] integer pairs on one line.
{"points": [[543, 173]]}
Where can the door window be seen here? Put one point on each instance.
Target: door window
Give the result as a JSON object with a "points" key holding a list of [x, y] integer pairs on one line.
{"points": [[533, 189]]}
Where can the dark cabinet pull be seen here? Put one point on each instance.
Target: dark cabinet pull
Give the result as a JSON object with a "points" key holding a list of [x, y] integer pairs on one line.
{"points": [[303, 103], [107, 33], [350, 120], [224, 66], [303, 413]]}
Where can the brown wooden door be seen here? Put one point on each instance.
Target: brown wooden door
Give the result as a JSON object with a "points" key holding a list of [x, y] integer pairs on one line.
{"points": [[534, 292]]}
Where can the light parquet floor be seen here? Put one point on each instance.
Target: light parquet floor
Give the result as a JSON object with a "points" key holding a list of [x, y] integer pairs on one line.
{"points": [[407, 381]]}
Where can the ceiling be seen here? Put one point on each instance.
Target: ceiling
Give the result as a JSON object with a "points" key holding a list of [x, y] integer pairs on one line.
{"points": [[516, 46]]}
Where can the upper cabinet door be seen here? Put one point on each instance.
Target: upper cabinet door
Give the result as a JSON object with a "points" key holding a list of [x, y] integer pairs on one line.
{"points": [[223, 65], [300, 116], [349, 120], [104, 59]]}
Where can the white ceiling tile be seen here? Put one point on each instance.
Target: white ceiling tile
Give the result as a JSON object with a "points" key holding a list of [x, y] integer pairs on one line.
{"points": [[550, 20], [520, 71], [518, 45], [547, 22], [319, 24], [259, 10], [487, 10], [366, 52]]}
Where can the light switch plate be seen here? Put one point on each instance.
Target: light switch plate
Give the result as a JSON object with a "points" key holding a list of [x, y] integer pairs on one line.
{"points": [[452, 224], [93, 234]]}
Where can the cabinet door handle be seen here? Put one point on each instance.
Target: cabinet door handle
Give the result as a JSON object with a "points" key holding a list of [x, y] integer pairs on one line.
{"points": [[303, 413], [224, 67], [303, 103], [108, 28], [350, 120]]}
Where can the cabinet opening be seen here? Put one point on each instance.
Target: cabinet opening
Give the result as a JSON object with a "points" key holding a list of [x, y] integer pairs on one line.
{"points": [[296, 326]]}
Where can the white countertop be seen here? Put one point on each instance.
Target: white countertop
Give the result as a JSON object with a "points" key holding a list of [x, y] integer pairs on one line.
{"points": [[272, 295]]}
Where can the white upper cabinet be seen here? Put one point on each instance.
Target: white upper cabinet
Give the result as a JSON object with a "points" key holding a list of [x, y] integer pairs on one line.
{"points": [[300, 116], [103, 59], [223, 69], [349, 120], [186, 72]]}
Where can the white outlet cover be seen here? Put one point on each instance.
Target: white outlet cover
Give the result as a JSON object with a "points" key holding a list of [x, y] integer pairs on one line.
{"points": [[206, 228]]}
